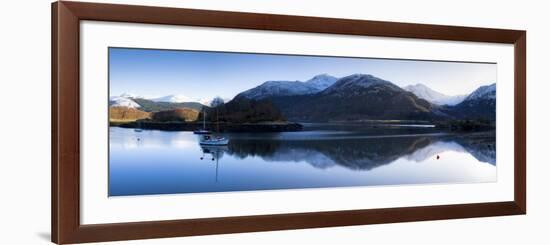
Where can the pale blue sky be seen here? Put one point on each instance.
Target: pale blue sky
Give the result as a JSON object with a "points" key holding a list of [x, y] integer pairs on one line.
{"points": [[204, 75]]}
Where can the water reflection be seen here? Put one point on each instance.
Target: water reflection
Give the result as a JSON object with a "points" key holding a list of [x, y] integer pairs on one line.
{"points": [[482, 147], [157, 162], [214, 154], [364, 154]]}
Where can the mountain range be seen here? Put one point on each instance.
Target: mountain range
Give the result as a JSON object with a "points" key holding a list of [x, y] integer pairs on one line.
{"points": [[351, 98], [355, 97], [128, 100], [424, 92], [479, 104], [288, 88]]}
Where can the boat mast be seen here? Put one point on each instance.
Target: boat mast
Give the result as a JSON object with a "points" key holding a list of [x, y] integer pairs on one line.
{"points": [[217, 121], [217, 157], [204, 120]]}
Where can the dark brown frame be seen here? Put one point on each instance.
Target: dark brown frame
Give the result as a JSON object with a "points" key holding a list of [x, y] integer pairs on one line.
{"points": [[65, 172]]}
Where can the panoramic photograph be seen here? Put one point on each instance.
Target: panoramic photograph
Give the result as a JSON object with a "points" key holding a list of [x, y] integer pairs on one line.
{"points": [[185, 121]]}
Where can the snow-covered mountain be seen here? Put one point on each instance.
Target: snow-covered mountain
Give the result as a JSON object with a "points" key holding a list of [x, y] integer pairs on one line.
{"points": [[424, 92], [173, 99], [124, 100], [183, 98], [321, 82], [289, 88], [351, 84], [133, 101], [130, 95], [479, 104], [355, 97], [278, 88], [488, 92]]}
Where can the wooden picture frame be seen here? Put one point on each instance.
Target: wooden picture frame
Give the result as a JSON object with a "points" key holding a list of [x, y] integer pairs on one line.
{"points": [[65, 172]]}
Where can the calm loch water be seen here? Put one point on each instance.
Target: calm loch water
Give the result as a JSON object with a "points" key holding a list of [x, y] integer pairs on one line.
{"points": [[161, 162]]}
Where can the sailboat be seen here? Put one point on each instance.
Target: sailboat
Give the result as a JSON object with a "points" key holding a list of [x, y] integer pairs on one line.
{"points": [[211, 140], [203, 130]]}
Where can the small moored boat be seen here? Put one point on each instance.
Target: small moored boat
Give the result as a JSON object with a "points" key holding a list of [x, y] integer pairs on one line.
{"points": [[203, 130], [213, 140], [206, 138]]}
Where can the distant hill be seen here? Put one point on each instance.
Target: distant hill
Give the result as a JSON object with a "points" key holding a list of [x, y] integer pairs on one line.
{"points": [[288, 88], [356, 97], [126, 114], [169, 102], [123, 101], [172, 99], [244, 110], [154, 106], [176, 115], [424, 92], [480, 104]]}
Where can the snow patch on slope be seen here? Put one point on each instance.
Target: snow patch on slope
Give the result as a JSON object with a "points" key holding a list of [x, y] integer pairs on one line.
{"points": [[123, 101]]}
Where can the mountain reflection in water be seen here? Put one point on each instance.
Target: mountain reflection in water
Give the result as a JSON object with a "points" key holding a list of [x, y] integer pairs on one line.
{"points": [[158, 162], [364, 154]]}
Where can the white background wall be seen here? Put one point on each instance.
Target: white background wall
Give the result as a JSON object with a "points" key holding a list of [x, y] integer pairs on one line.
{"points": [[25, 125]]}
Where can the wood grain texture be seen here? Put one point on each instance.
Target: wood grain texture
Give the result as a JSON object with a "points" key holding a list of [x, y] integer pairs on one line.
{"points": [[66, 17], [67, 125], [54, 139], [272, 22], [520, 122], [193, 227]]}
